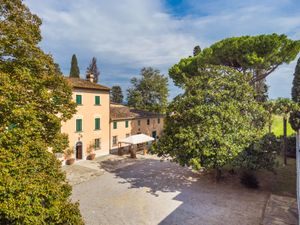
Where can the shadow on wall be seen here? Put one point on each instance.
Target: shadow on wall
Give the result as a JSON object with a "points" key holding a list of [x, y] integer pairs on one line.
{"points": [[202, 200]]}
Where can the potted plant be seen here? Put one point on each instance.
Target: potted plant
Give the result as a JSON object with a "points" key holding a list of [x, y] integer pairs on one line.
{"points": [[68, 154], [90, 152]]}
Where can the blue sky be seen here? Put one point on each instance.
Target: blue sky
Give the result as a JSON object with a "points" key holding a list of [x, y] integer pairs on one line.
{"points": [[127, 35]]}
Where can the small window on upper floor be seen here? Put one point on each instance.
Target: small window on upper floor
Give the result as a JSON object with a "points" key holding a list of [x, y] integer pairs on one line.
{"points": [[139, 123], [158, 120], [79, 99], [78, 125], [115, 140], [126, 124], [97, 123], [97, 100], [148, 121], [115, 125]]}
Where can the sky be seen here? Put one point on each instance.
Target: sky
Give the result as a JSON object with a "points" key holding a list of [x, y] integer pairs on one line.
{"points": [[127, 35]]}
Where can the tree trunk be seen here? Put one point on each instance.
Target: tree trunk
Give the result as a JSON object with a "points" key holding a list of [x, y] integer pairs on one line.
{"points": [[218, 174], [284, 140], [270, 127]]}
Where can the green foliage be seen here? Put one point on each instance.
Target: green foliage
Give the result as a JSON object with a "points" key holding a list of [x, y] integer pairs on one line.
{"points": [[34, 100], [74, 71], [259, 55], [150, 92], [213, 121], [261, 154], [197, 50], [295, 115], [116, 94], [93, 69]]}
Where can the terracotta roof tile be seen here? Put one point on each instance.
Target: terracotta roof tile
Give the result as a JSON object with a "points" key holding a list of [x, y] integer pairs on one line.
{"points": [[118, 113], [85, 84]]}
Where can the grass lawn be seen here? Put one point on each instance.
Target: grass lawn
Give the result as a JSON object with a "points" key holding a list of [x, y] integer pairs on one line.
{"points": [[277, 126]]}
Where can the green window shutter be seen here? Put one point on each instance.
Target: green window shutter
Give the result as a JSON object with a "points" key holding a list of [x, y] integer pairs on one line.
{"points": [[78, 99], [97, 124], [78, 125], [126, 123], [97, 100], [115, 125]]}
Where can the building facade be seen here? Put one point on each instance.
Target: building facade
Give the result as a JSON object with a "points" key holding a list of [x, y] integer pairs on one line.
{"points": [[99, 125], [88, 128]]}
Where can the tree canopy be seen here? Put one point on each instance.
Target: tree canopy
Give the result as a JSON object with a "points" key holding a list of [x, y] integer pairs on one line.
{"points": [[213, 121], [93, 69], [34, 100], [116, 94], [74, 71], [150, 92], [197, 50], [259, 55]]}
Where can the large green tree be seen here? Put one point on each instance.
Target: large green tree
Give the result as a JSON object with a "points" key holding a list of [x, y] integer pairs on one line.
{"points": [[93, 69], [150, 92], [116, 94], [74, 70], [34, 100], [259, 55], [212, 122]]}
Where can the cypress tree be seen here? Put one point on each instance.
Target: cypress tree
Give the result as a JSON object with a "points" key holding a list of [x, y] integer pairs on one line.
{"points": [[74, 71], [93, 69], [295, 116], [196, 50]]}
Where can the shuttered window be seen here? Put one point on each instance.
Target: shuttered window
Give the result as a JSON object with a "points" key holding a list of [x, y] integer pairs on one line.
{"points": [[78, 99], [97, 100], [78, 125], [115, 125], [97, 124], [126, 123]]}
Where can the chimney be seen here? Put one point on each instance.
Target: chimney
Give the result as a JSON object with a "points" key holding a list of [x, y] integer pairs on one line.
{"points": [[90, 77]]}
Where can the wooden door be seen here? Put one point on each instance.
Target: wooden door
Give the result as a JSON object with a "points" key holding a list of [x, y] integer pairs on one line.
{"points": [[79, 150]]}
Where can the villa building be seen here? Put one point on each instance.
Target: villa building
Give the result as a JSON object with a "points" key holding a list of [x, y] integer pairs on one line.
{"points": [[100, 125]]}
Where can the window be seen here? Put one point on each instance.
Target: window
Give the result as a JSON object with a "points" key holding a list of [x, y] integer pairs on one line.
{"points": [[115, 140], [127, 135], [139, 123], [126, 123], [78, 99], [115, 125], [148, 121], [97, 100], [78, 125], [97, 143], [97, 123], [158, 120]]}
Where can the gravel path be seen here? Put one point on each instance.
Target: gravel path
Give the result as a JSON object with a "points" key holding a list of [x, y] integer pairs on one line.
{"points": [[149, 191]]}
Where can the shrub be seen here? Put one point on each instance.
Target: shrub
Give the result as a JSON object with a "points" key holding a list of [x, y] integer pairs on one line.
{"points": [[249, 180]]}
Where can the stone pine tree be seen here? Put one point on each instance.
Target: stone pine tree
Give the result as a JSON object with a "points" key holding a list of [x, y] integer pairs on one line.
{"points": [[197, 50], [116, 94], [212, 121], [93, 69], [74, 71], [259, 55], [150, 92], [35, 99]]}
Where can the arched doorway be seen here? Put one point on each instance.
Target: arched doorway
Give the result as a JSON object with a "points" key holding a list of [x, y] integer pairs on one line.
{"points": [[79, 150]]}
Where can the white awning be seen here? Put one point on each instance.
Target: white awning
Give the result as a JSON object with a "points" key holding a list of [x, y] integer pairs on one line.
{"points": [[137, 139]]}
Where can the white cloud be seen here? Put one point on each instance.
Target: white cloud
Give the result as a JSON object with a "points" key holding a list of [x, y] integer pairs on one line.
{"points": [[127, 35]]}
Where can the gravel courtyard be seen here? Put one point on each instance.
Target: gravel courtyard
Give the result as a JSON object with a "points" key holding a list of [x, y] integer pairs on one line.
{"points": [[117, 190]]}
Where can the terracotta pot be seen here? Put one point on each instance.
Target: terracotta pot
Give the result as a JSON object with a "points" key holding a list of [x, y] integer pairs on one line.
{"points": [[91, 156], [70, 161]]}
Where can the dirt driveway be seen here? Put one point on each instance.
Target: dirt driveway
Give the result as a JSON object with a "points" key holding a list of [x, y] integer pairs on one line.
{"points": [[117, 191]]}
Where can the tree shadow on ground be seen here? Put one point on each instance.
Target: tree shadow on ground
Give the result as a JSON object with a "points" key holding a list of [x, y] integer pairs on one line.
{"points": [[202, 200], [154, 174]]}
